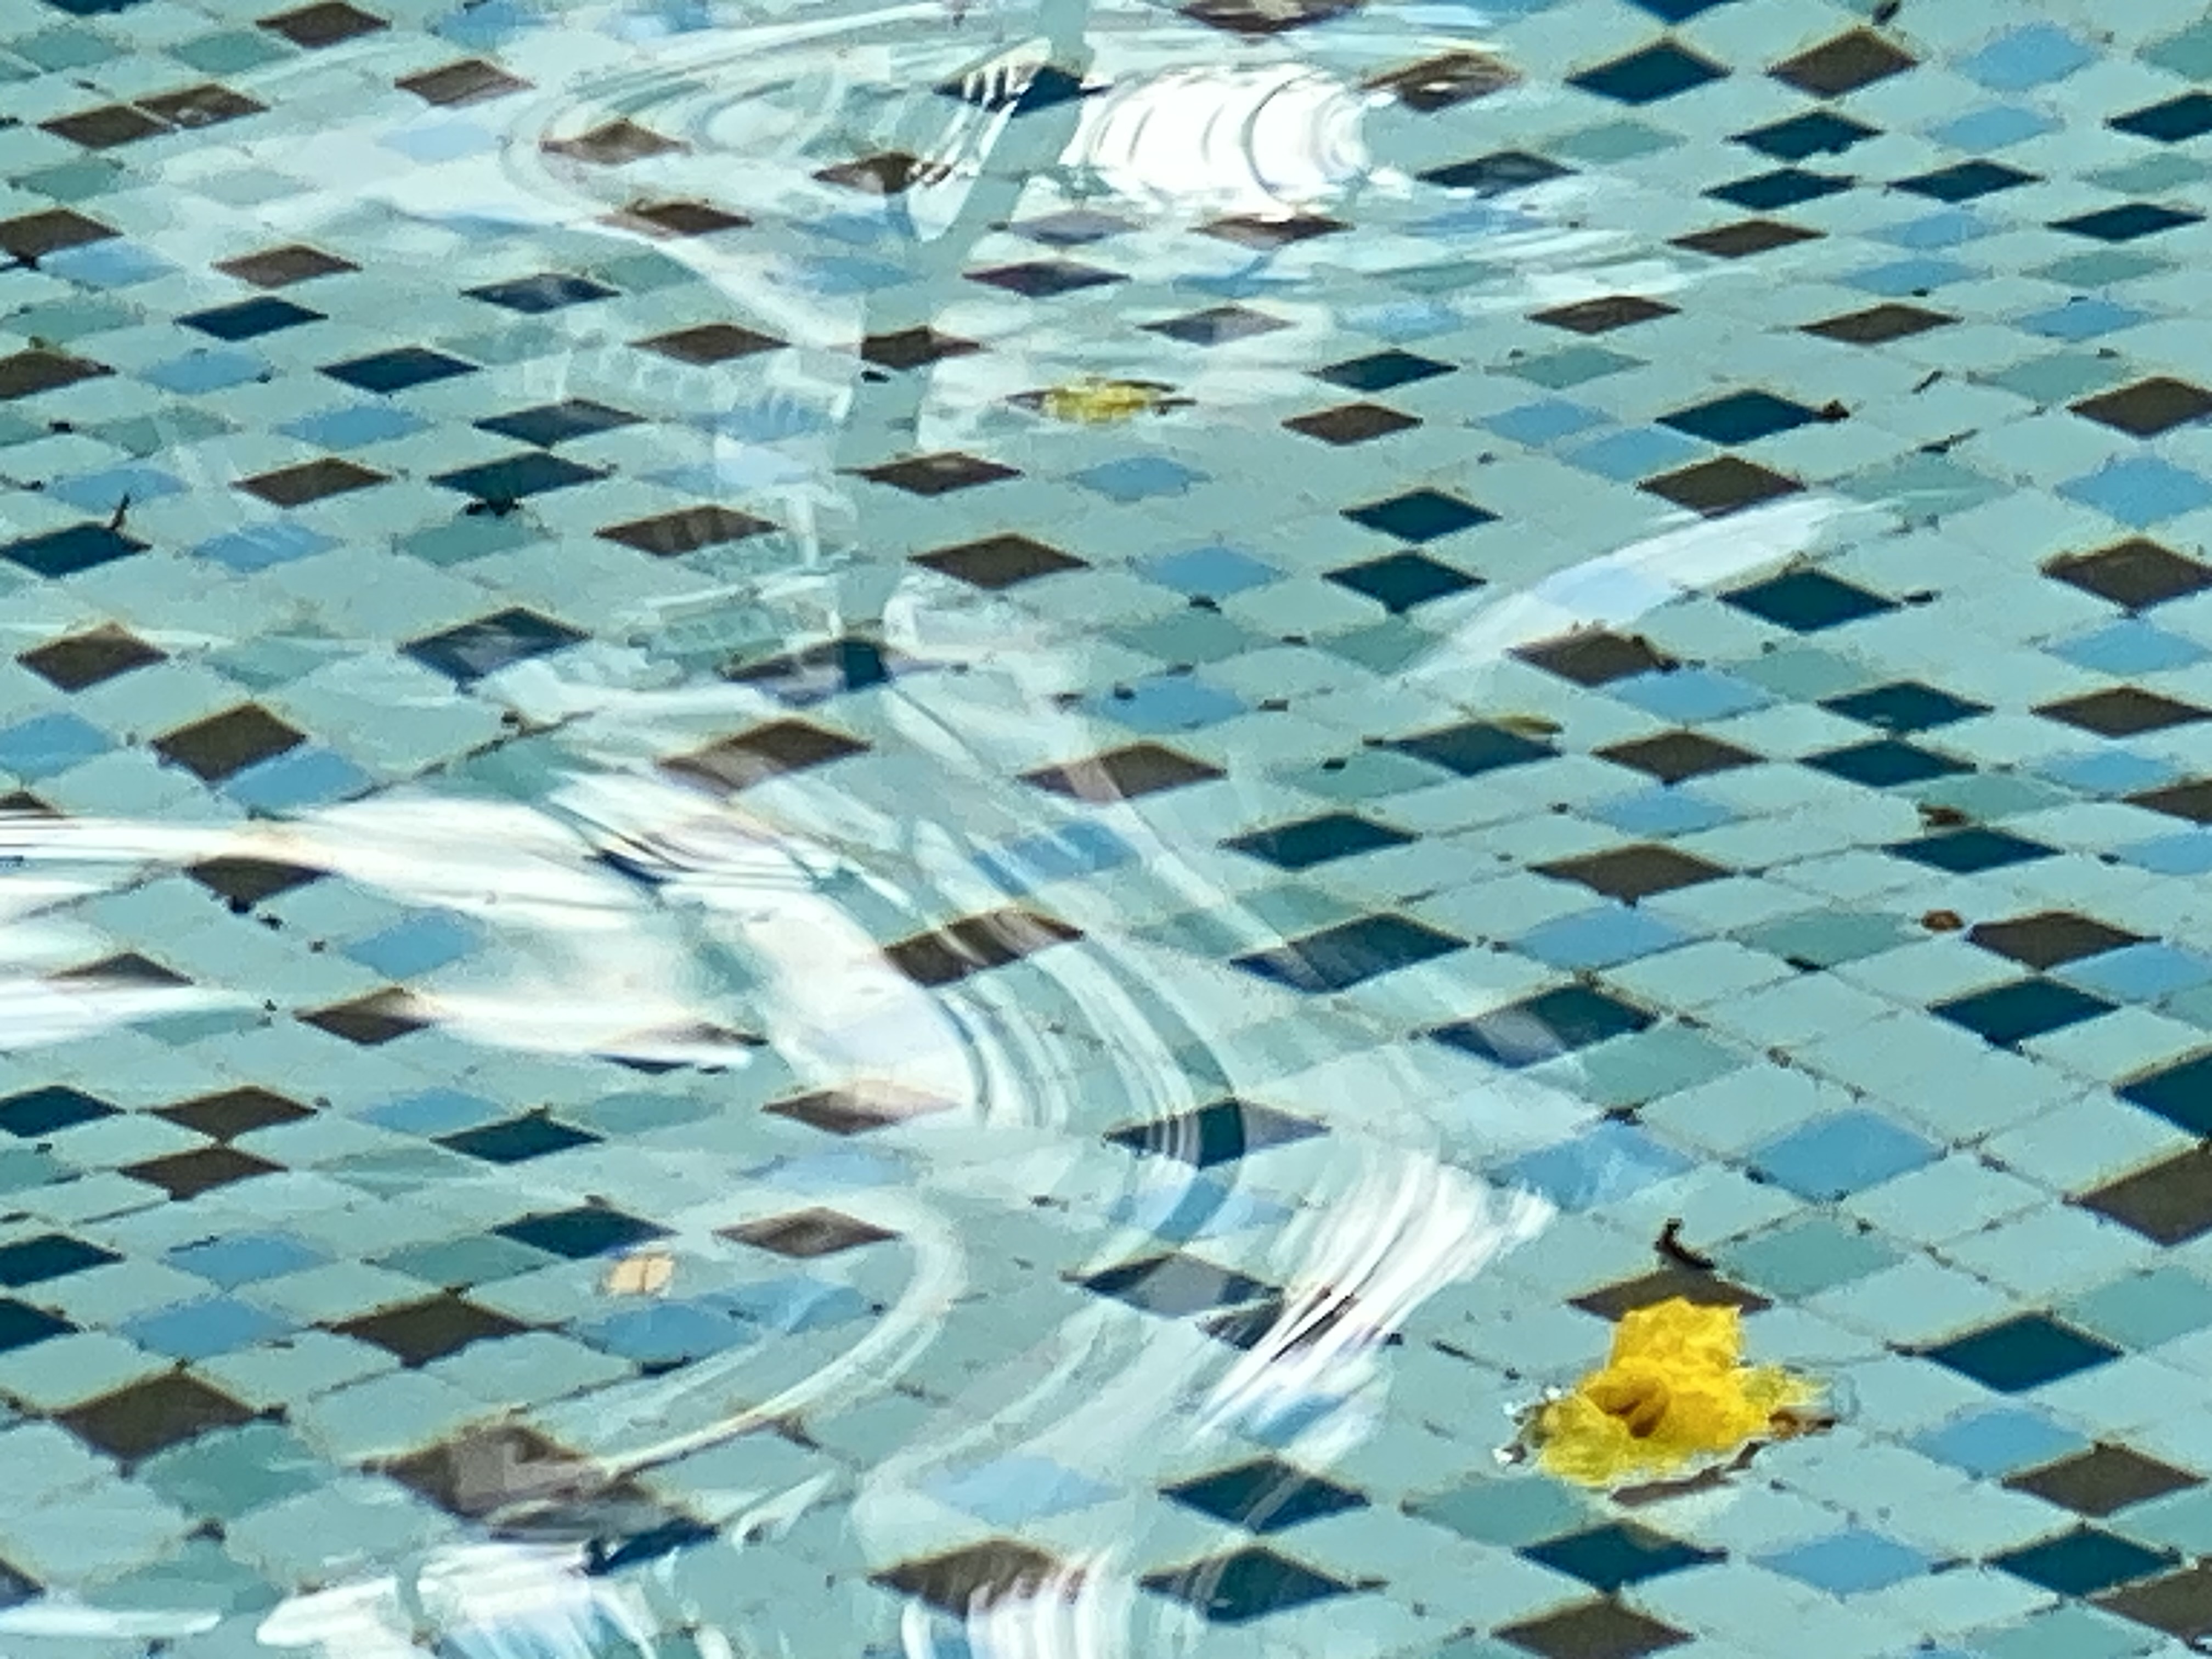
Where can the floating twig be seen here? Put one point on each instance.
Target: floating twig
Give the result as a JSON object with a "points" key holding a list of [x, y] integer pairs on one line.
{"points": [[1670, 1246]]}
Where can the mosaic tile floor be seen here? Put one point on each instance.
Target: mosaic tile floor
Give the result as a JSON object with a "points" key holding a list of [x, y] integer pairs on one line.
{"points": [[688, 972]]}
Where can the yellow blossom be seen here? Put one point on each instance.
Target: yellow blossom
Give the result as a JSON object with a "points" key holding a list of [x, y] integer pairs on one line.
{"points": [[1100, 402], [1674, 1391]]}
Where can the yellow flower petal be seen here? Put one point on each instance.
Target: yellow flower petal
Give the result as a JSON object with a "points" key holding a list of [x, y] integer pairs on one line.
{"points": [[1674, 1391]]}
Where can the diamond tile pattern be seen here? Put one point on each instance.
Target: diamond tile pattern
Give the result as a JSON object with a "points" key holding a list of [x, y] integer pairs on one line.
{"points": [[1099, 696]]}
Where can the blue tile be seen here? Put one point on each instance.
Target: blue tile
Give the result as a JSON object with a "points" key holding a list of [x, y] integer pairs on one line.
{"points": [[1602, 938], [197, 372], [1637, 454], [201, 1330], [100, 492], [793, 1305], [48, 743], [517, 478], [1337, 958], [1544, 423], [2009, 1015], [2140, 973], [1901, 279], [400, 370], [1849, 1563], [1172, 702], [309, 775], [2025, 1351], [236, 1259], [48, 1256], [1841, 1153], [1603, 1165], [68, 552], [2186, 853], [2107, 771], [2083, 1562], [668, 1333], [1317, 841], [1542, 1027], [2026, 57], [433, 1112], [354, 426], [1422, 516], [250, 318], [2082, 317], [1139, 478], [1214, 572], [1656, 72], [1998, 1440], [2127, 649], [1016, 1490], [419, 945], [1661, 812], [110, 264], [1997, 126], [260, 546], [1690, 696]]}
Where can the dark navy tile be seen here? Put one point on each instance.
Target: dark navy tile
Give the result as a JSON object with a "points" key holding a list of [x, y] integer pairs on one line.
{"points": [[1213, 1135], [1265, 1496], [1543, 1027], [1248, 1585], [1337, 958], [2022, 1352], [1613, 1558], [1311, 842], [2009, 1015]]}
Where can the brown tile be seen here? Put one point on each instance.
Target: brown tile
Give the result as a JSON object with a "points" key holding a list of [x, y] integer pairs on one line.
{"points": [[1631, 873], [2148, 408], [128, 968], [310, 482], [613, 145], [1746, 238], [710, 342], [106, 127], [187, 1175], [1266, 234], [2179, 1604], [1880, 325], [2135, 573], [1440, 82], [807, 1234], [974, 944], [470, 81], [2102, 1480], [324, 25], [1856, 59], [979, 1577], [1597, 1628], [1703, 1290], [1675, 756], [1595, 656], [1142, 768], [1603, 316], [999, 561], [890, 174], [859, 1108], [26, 373], [2192, 800], [2050, 938], [2168, 1203], [281, 267], [78, 661], [496, 1466], [685, 531], [223, 745], [430, 1329], [2122, 712], [152, 1416], [31, 237], [205, 105], [234, 1112], [1351, 423], [368, 1022], [913, 347], [1717, 488], [680, 218], [939, 474], [244, 882], [766, 751]]}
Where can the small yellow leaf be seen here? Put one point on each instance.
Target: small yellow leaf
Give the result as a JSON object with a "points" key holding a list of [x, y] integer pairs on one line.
{"points": [[646, 1272], [1529, 725], [1674, 1392], [1094, 403]]}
